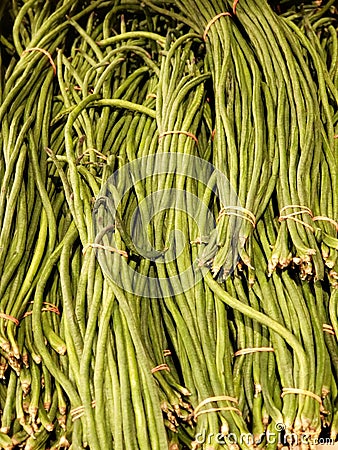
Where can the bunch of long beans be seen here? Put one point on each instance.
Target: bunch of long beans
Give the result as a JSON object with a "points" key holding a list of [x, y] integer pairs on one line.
{"points": [[241, 143], [146, 302]]}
